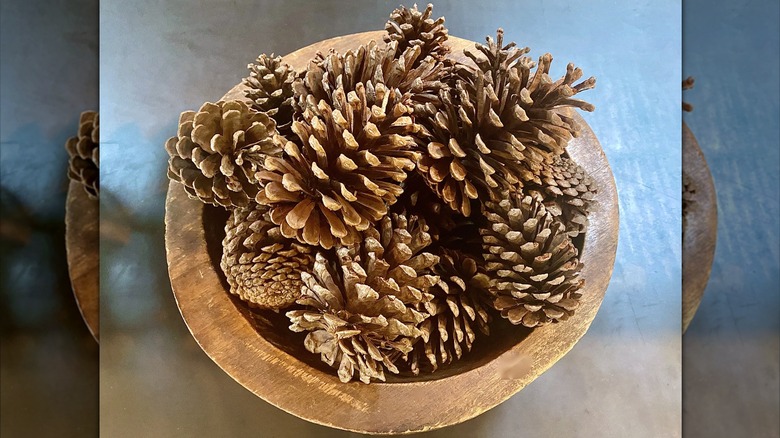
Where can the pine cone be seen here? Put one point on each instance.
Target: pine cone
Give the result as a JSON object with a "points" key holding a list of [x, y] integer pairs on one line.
{"points": [[527, 103], [219, 150], [498, 126], [568, 193], [269, 87], [261, 266], [396, 255], [687, 84], [365, 320], [418, 80], [532, 263], [456, 311], [410, 27], [84, 153], [446, 165], [348, 171]]}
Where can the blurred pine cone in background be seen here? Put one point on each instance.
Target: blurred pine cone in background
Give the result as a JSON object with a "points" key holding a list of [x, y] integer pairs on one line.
{"points": [[84, 153]]}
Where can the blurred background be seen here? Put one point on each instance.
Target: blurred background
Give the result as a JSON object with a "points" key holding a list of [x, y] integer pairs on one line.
{"points": [[161, 58], [731, 377], [48, 359]]}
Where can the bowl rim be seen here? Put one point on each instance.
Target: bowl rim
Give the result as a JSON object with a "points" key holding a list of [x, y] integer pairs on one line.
{"points": [[701, 232], [83, 254], [319, 397]]}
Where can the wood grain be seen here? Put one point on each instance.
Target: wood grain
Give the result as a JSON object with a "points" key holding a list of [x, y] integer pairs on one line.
{"points": [[290, 378], [83, 249], [701, 230]]}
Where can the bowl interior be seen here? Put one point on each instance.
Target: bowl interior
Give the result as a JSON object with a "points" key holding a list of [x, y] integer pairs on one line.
{"points": [[273, 326], [262, 354]]}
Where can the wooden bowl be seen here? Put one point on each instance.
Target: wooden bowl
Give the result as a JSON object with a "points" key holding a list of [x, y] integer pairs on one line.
{"points": [[83, 249], [701, 230], [260, 353]]}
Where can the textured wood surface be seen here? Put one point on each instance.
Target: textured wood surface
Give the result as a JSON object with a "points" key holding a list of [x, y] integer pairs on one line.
{"points": [[81, 244], [702, 228], [293, 383]]}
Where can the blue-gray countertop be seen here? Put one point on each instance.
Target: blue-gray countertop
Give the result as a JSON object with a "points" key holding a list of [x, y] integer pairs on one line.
{"points": [[732, 347], [49, 361]]}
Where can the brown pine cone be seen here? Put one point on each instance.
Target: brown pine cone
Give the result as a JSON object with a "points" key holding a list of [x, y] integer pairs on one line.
{"points": [[531, 262], [348, 171], [496, 59], [411, 27], [396, 255], [261, 266], [457, 312], [450, 160], [218, 151], [360, 309], [687, 84], [568, 193], [269, 87], [498, 126], [84, 152], [415, 78], [527, 104]]}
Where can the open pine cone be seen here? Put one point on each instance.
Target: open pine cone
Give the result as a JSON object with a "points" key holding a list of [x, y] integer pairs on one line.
{"points": [[270, 88], [416, 80], [531, 262], [499, 124], [457, 313], [361, 309], [528, 104], [412, 27], [261, 266], [84, 153], [347, 172], [687, 84], [218, 151], [568, 193]]}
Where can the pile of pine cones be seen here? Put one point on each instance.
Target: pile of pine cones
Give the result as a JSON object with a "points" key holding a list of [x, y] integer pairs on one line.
{"points": [[394, 201]]}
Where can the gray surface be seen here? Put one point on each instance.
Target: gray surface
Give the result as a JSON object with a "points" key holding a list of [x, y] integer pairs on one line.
{"points": [[158, 59], [49, 361], [732, 348]]}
